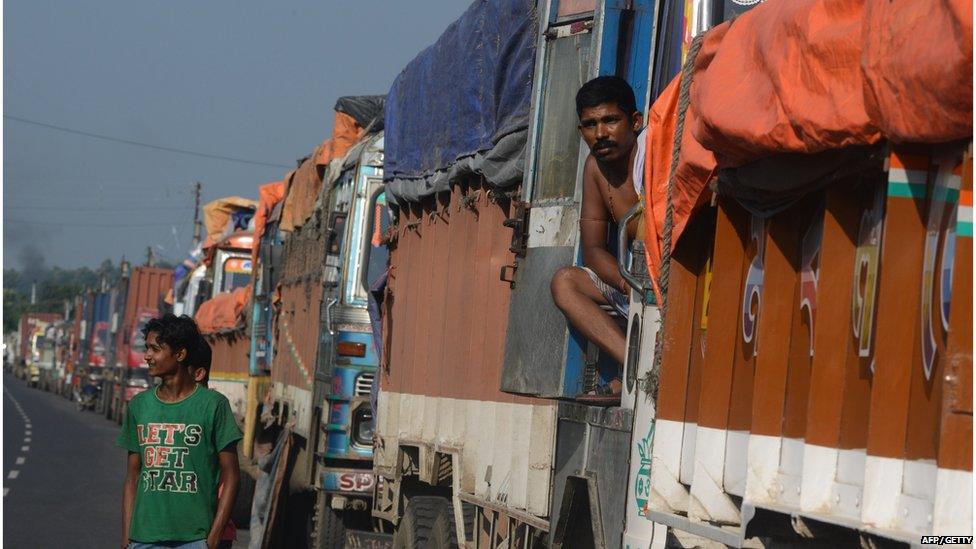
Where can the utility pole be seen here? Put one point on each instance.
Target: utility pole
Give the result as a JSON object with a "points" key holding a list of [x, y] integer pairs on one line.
{"points": [[196, 214]]}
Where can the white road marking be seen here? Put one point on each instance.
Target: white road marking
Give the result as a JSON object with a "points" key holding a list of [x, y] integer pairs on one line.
{"points": [[28, 426], [13, 474], [25, 448], [5, 491], [27, 439], [21, 460], [27, 433]]}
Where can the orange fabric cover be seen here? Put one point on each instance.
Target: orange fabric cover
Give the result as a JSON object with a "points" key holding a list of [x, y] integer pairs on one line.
{"points": [[269, 195], [695, 169], [918, 63], [223, 312], [304, 187], [216, 215], [804, 76]]}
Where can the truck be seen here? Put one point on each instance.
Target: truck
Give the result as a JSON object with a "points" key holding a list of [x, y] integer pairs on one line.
{"points": [[311, 362], [788, 384], [142, 292], [37, 341]]}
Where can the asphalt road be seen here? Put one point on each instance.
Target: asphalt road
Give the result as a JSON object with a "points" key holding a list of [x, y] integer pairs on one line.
{"points": [[62, 473]]}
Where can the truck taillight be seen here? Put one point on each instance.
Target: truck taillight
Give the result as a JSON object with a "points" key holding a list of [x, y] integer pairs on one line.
{"points": [[347, 348]]}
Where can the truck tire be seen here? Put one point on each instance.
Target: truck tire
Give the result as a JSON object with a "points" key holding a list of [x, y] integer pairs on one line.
{"points": [[424, 527], [241, 512], [445, 530], [329, 530]]}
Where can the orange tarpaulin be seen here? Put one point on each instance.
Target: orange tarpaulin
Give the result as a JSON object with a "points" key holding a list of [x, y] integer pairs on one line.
{"points": [[222, 312], [269, 195], [806, 76], [302, 190], [217, 214]]}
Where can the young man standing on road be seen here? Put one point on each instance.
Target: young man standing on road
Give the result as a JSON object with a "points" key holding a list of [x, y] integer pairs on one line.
{"points": [[181, 440], [612, 182]]}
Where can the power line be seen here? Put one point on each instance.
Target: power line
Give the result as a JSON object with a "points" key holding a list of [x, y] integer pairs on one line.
{"points": [[134, 208], [141, 144], [101, 225]]}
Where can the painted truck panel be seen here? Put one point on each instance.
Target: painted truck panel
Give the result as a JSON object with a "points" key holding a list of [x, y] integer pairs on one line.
{"points": [[440, 379], [852, 334]]}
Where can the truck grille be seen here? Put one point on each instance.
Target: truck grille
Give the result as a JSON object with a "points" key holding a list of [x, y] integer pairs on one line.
{"points": [[364, 384]]}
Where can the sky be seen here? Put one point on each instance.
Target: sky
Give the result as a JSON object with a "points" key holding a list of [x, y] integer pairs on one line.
{"points": [[247, 79]]}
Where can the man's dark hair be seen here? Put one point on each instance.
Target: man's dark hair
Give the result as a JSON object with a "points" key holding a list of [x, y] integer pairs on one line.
{"points": [[606, 89], [202, 356], [179, 332]]}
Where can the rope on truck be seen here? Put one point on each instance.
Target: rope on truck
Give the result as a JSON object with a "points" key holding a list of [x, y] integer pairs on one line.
{"points": [[684, 99]]}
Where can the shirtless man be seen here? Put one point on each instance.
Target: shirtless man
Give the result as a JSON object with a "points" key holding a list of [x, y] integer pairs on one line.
{"points": [[610, 125]]}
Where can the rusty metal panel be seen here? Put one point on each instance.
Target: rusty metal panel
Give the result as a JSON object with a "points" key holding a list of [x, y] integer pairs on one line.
{"points": [[446, 336], [229, 354]]}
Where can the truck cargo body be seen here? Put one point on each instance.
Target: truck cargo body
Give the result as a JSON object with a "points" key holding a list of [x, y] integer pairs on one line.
{"points": [[838, 364], [231, 269]]}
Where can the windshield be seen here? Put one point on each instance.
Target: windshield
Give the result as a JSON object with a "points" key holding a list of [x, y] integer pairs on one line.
{"points": [[237, 274]]}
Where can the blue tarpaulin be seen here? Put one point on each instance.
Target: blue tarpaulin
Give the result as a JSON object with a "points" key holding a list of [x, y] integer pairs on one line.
{"points": [[462, 105]]}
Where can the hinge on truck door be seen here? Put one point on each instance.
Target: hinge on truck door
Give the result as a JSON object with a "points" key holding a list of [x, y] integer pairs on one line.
{"points": [[519, 224]]}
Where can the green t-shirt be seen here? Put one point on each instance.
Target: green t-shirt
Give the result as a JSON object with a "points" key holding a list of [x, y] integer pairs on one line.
{"points": [[176, 498]]}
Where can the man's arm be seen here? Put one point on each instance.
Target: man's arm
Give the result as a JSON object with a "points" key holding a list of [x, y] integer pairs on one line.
{"points": [[133, 466], [593, 231], [230, 476]]}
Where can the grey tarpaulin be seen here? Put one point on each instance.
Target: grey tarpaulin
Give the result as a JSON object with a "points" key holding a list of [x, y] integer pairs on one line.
{"points": [[265, 489], [461, 106], [365, 109], [501, 166]]}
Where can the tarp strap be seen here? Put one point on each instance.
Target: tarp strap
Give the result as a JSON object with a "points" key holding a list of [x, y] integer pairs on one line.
{"points": [[684, 99]]}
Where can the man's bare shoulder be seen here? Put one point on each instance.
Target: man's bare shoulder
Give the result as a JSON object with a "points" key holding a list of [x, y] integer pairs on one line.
{"points": [[592, 175]]}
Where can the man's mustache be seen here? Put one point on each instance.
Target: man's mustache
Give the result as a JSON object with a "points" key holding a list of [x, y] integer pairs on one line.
{"points": [[604, 143]]}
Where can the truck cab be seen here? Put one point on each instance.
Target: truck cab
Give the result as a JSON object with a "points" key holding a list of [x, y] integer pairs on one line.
{"points": [[347, 361]]}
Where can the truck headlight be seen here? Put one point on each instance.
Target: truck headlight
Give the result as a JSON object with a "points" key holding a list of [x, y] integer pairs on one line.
{"points": [[363, 426]]}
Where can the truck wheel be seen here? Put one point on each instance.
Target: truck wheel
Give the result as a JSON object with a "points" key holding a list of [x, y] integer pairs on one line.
{"points": [[241, 512], [445, 529], [329, 530], [423, 525]]}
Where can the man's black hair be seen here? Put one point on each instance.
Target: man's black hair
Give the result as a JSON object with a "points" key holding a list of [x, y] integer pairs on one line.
{"points": [[202, 355], [606, 89], [179, 332]]}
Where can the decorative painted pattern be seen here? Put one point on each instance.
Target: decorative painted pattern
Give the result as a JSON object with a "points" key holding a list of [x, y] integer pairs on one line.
{"points": [[306, 374]]}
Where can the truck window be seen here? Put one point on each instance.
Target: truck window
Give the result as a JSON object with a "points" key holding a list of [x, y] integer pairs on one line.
{"points": [[566, 69], [237, 274], [378, 253], [337, 232]]}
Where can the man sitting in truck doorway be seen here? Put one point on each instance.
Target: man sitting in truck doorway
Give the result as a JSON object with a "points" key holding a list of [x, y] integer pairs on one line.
{"points": [[610, 124]]}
